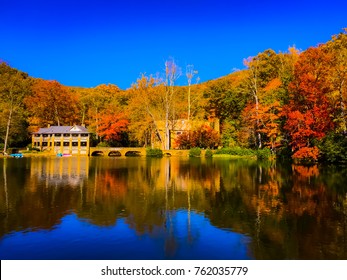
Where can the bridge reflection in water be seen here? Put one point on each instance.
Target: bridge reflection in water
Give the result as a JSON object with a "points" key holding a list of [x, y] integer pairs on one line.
{"points": [[170, 208]]}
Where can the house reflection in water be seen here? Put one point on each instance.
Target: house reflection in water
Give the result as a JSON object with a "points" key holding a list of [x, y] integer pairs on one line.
{"points": [[69, 171], [183, 208]]}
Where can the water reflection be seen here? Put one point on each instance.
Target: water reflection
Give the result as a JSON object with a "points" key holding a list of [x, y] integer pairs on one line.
{"points": [[170, 208]]}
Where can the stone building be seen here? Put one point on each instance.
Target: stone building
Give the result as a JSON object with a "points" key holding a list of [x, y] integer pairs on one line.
{"points": [[177, 127]]}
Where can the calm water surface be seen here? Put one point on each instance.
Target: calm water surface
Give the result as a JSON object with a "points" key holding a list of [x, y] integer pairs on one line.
{"points": [[170, 208]]}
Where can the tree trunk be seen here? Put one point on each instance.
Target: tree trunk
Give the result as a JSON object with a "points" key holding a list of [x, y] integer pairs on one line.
{"points": [[257, 120], [167, 133], [56, 114], [83, 114], [8, 128], [155, 125], [343, 109]]}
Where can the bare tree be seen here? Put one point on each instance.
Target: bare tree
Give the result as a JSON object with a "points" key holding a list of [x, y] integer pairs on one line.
{"points": [[172, 73], [190, 72]]}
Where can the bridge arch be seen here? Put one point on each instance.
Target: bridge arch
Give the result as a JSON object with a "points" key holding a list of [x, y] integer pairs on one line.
{"points": [[114, 154], [97, 154], [133, 154], [117, 151]]}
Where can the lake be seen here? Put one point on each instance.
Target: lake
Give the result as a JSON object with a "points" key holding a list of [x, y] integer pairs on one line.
{"points": [[170, 208]]}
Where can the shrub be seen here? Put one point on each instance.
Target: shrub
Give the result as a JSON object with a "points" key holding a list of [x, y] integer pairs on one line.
{"points": [[12, 150], [334, 149], [203, 137], [31, 148], [236, 151], [154, 152], [103, 144], [208, 153], [284, 153], [306, 155], [195, 152], [263, 154]]}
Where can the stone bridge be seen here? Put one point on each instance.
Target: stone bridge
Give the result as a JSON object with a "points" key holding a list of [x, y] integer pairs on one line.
{"points": [[129, 151], [116, 151]]}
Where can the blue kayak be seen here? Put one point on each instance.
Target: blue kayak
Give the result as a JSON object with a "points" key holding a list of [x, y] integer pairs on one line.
{"points": [[17, 155]]}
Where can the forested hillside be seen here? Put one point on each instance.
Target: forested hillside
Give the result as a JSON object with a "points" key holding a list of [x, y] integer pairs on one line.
{"points": [[293, 103]]}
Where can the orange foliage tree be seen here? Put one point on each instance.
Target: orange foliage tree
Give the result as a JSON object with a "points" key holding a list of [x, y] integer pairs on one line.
{"points": [[266, 78], [112, 126], [95, 102], [51, 104], [269, 122]]}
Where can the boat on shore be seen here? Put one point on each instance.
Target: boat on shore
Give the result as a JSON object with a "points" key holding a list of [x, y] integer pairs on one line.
{"points": [[63, 155], [16, 155]]}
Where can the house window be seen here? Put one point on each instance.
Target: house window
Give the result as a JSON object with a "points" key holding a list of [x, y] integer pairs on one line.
{"points": [[44, 144], [66, 144], [57, 144], [66, 135], [83, 144], [74, 144], [58, 135], [74, 135], [84, 135], [45, 135]]}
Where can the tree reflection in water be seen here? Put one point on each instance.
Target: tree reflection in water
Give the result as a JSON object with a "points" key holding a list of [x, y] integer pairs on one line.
{"points": [[276, 211]]}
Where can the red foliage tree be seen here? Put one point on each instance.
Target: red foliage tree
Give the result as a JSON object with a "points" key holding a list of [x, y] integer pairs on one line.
{"points": [[309, 112], [203, 137]]}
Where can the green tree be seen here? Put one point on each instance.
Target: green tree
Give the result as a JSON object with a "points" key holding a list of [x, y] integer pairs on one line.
{"points": [[14, 86]]}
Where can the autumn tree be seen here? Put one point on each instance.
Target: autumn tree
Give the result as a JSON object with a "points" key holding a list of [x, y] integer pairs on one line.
{"points": [[153, 101], [269, 126], [337, 75], [266, 79], [51, 104], [93, 102], [203, 136], [113, 127], [262, 70], [113, 119], [172, 73], [308, 112], [190, 73], [145, 110], [14, 86], [224, 98]]}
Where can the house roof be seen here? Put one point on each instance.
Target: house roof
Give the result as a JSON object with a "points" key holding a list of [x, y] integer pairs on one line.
{"points": [[63, 129]]}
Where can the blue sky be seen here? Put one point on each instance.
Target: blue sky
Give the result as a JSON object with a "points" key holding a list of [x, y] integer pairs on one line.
{"points": [[86, 43]]}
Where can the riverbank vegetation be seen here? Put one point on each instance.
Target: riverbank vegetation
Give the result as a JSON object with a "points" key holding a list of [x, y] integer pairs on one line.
{"points": [[289, 104]]}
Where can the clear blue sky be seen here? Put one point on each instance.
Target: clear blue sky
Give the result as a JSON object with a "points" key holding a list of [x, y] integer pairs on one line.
{"points": [[86, 43]]}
